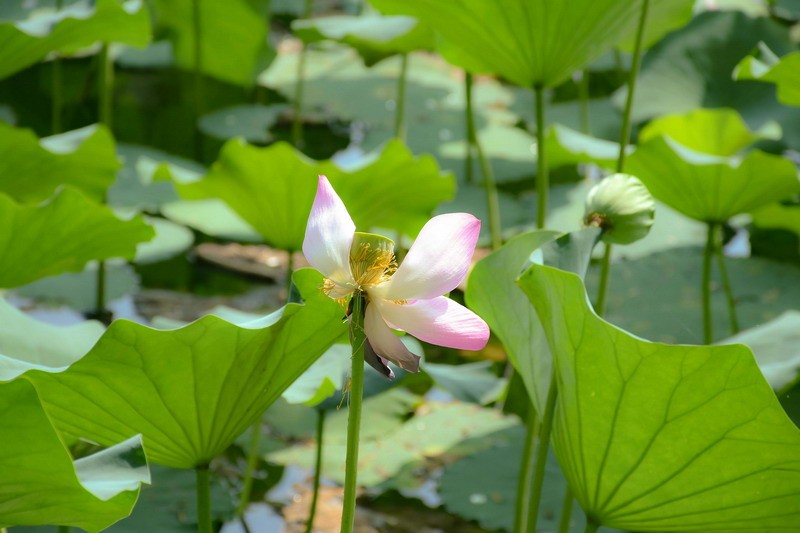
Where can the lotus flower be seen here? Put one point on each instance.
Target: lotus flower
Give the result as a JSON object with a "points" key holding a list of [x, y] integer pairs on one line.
{"points": [[406, 297]]}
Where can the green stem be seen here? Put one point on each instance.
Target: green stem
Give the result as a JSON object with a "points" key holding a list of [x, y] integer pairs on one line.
{"points": [[492, 199], [602, 290], [203, 499], [583, 99], [566, 512], [317, 470], [542, 177], [591, 525], [624, 139], [58, 89], [625, 135], [708, 332], [253, 449], [470, 121], [105, 96], [526, 472], [541, 453], [400, 106], [726, 282], [357, 341], [297, 108], [199, 89]]}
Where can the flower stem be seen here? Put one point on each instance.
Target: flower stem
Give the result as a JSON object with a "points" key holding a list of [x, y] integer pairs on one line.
{"points": [[602, 291], [199, 89], [726, 282], [541, 453], [400, 106], [566, 512], [105, 97], [470, 120], [492, 200], [357, 341], [526, 472], [317, 470], [297, 119], [708, 332], [624, 139], [203, 499], [542, 177]]}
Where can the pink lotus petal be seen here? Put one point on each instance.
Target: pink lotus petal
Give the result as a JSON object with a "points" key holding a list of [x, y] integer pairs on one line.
{"points": [[438, 321], [438, 260], [385, 343], [329, 235]]}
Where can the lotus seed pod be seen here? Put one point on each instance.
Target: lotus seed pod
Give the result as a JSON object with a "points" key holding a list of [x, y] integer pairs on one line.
{"points": [[622, 207]]}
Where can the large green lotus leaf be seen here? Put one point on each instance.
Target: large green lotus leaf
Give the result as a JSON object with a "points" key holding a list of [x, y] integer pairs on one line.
{"points": [[190, 391], [373, 36], [654, 437], [27, 343], [691, 68], [720, 132], [62, 235], [776, 346], [252, 122], [526, 41], [711, 188], [783, 72], [32, 168], [39, 483], [492, 293], [76, 26], [233, 37], [272, 189]]}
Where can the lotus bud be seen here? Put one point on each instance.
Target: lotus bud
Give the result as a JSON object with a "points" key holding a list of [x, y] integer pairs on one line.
{"points": [[622, 207]]}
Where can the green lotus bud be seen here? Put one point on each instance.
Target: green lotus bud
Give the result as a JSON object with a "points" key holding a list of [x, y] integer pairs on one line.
{"points": [[622, 207]]}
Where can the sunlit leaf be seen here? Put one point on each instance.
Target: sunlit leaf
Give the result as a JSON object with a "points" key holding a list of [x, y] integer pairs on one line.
{"points": [[233, 37], [527, 42], [776, 346], [273, 188], [374, 37], [655, 437], [711, 188], [62, 235], [31, 168], [783, 72], [27, 343], [39, 483], [191, 391], [710, 131], [77, 25]]}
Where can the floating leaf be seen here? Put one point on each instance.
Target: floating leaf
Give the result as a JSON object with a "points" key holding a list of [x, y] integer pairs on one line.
{"points": [[711, 188], [191, 391], [233, 38], [373, 36], [170, 240], [76, 26], [27, 343], [783, 72], [251, 122], [470, 382], [776, 346], [652, 437], [62, 235], [39, 483], [31, 169], [527, 42], [710, 131], [273, 188]]}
